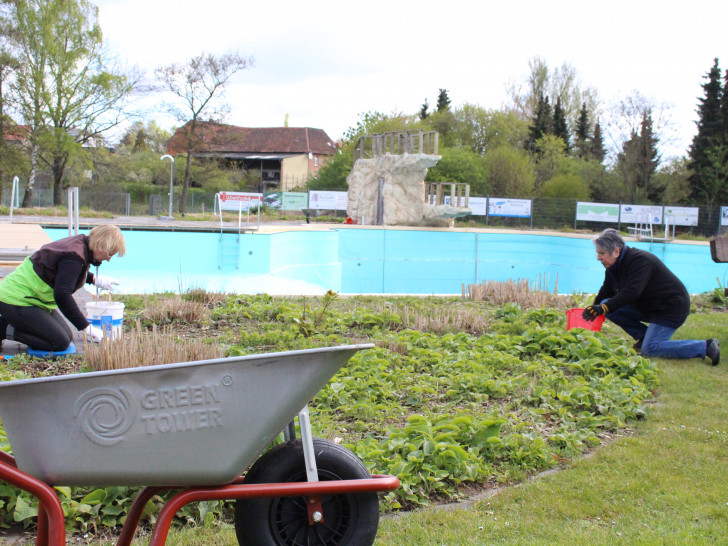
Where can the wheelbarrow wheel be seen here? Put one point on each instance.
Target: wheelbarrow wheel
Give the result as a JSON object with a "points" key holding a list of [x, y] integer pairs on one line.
{"points": [[349, 519]]}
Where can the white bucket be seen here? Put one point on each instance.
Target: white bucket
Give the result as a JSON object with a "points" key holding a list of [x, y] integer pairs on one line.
{"points": [[107, 315]]}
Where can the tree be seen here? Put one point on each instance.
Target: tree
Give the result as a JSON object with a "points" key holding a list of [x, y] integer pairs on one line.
{"points": [[671, 181], [332, 176], [542, 123], [562, 82], [199, 87], [423, 110], [510, 172], [139, 137], [582, 135], [443, 101], [10, 156], [596, 148], [550, 150], [711, 133], [461, 165], [565, 186], [638, 161], [714, 179], [625, 118], [481, 129], [560, 127], [69, 92]]}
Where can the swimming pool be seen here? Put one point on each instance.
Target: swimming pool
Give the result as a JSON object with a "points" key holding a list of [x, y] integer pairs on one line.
{"points": [[376, 261]]}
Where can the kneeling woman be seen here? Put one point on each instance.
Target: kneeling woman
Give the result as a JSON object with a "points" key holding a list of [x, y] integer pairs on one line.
{"points": [[35, 294]]}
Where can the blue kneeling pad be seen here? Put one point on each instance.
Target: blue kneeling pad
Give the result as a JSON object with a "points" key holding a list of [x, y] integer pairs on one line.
{"points": [[70, 350]]}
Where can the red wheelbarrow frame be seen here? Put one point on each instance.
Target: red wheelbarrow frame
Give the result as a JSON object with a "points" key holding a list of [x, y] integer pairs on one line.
{"points": [[51, 523]]}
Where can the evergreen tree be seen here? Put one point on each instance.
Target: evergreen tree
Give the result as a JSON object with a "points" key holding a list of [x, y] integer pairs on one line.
{"points": [[423, 110], [443, 101], [711, 130], [647, 159], [638, 160], [724, 107], [542, 122], [582, 135], [596, 147], [560, 127]]}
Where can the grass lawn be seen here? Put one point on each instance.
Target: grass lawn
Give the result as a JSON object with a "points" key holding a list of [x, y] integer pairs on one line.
{"points": [[663, 484]]}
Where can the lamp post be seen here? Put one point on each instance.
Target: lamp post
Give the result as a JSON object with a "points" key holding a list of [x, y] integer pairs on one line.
{"points": [[171, 180]]}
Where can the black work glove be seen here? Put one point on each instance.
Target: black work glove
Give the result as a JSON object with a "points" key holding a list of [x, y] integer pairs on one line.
{"points": [[594, 311]]}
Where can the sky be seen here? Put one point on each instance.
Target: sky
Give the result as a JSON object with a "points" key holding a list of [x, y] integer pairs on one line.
{"points": [[324, 63]]}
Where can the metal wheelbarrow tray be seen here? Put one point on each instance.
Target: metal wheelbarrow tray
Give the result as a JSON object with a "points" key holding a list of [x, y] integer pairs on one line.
{"points": [[168, 426]]}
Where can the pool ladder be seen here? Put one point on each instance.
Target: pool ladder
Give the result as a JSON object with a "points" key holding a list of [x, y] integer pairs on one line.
{"points": [[229, 250]]}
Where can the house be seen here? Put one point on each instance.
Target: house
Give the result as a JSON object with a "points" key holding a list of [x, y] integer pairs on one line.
{"points": [[286, 157]]}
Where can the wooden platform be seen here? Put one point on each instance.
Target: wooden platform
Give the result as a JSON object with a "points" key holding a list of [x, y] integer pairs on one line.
{"points": [[20, 240]]}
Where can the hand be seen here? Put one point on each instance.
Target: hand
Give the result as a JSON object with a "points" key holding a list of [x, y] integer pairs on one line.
{"points": [[94, 334], [105, 283], [594, 311]]}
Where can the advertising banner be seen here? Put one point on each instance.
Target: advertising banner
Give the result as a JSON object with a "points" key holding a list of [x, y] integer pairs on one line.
{"points": [[328, 200], [516, 208], [682, 216], [230, 200], [640, 214], [597, 212], [286, 200]]}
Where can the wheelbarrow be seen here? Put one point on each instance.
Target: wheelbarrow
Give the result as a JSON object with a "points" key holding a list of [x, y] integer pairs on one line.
{"points": [[195, 427]]}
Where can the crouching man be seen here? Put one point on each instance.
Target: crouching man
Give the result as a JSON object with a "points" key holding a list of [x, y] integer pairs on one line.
{"points": [[643, 297]]}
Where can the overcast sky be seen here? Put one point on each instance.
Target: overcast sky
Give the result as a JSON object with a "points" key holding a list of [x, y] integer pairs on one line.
{"points": [[324, 63]]}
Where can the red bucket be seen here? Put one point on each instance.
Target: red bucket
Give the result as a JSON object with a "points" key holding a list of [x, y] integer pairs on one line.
{"points": [[574, 320]]}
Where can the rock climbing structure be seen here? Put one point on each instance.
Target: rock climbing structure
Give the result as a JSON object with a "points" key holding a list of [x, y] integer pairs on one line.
{"points": [[387, 184]]}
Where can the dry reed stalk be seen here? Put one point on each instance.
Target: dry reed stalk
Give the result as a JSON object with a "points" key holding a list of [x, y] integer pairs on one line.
{"points": [[449, 319], [519, 292], [143, 348], [173, 308]]}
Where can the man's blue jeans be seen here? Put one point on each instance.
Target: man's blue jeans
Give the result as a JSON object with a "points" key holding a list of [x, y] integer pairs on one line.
{"points": [[655, 337]]}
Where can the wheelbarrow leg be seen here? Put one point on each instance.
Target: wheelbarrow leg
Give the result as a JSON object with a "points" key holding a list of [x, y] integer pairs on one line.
{"points": [[51, 525], [135, 514]]}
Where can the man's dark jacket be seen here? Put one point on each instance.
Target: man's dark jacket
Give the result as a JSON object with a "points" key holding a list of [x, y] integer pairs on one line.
{"points": [[640, 279]]}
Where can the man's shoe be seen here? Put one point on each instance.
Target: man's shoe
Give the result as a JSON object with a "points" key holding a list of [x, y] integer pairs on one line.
{"points": [[713, 351]]}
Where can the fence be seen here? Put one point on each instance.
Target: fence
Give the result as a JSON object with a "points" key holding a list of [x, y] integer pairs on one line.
{"points": [[556, 214]]}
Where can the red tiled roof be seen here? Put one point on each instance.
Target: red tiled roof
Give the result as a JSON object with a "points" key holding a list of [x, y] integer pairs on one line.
{"points": [[16, 133], [220, 138]]}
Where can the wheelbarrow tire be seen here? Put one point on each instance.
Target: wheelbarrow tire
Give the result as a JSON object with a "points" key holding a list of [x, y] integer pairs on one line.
{"points": [[349, 519]]}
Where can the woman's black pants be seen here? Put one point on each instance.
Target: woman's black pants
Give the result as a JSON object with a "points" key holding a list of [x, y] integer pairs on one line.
{"points": [[36, 327]]}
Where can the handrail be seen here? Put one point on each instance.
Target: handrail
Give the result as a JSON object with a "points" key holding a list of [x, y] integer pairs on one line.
{"points": [[14, 196], [73, 219], [218, 206]]}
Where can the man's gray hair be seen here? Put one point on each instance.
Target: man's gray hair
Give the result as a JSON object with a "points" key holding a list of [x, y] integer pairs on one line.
{"points": [[608, 240]]}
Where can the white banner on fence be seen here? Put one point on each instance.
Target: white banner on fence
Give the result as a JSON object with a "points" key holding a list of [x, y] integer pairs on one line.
{"points": [[328, 200], [724, 216], [499, 206], [232, 200], [682, 216], [597, 212], [636, 214]]}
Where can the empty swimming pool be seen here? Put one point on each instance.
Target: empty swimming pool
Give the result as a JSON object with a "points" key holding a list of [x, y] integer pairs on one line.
{"points": [[376, 261]]}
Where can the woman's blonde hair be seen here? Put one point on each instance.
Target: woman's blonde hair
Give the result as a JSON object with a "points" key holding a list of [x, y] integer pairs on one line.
{"points": [[107, 238]]}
